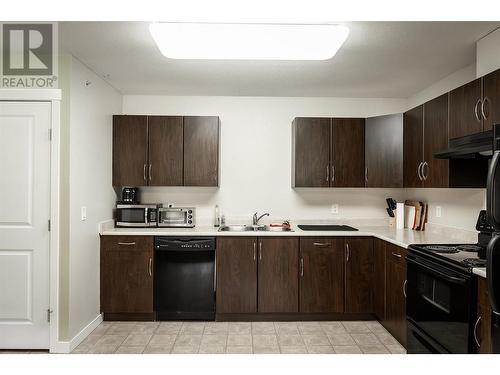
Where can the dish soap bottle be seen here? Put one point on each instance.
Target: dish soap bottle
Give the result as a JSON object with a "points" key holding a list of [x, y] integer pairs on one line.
{"points": [[216, 216]]}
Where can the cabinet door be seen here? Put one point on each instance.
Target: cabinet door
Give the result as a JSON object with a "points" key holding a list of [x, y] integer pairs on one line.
{"points": [[379, 278], [130, 150], [413, 121], [236, 275], [482, 326], [201, 151], [165, 150], [359, 275], [321, 274], [465, 109], [311, 152], [396, 300], [435, 171], [127, 274], [491, 100], [348, 152], [384, 151], [278, 281]]}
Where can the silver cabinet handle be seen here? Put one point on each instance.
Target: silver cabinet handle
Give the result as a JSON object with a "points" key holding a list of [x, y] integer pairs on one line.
{"points": [[486, 99], [396, 255], [144, 172], [327, 173], [254, 251], [150, 166], [476, 111], [424, 173], [418, 171], [260, 250], [366, 174], [301, 267], [126, 243], [348, 252], [321, 244], [333, 173], [475, 332], [150, 267], [404, 288]]}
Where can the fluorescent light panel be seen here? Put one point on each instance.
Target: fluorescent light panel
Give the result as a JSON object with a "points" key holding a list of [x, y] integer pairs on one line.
{"points": [[236, 41]]}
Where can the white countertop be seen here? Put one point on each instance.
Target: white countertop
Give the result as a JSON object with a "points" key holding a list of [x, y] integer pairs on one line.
{"points": [[400, 237], [480, 271]]}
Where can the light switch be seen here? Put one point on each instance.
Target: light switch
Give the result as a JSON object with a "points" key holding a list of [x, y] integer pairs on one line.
{"points": [[84, 213]]}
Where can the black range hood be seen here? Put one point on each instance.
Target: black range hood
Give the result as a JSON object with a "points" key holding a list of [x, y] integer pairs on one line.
{"points": [[468, 146]]}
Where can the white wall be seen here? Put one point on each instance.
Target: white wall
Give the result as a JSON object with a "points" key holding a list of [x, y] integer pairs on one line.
{"points": [[256, 157], [91, 109], [488, 53]]}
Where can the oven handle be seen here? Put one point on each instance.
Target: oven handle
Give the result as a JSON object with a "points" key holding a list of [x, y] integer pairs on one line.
{"points": [[451, 279]]}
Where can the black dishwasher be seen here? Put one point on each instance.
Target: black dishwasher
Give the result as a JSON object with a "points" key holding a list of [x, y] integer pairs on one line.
{"points": [[184, 278]]}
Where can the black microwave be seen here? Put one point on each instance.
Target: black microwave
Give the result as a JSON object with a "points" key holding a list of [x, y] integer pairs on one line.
{"points": [[136, 215]]}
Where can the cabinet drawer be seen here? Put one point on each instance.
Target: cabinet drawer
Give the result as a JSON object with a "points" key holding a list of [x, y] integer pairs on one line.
{"points": [[318, 242], [114, 243], [395, 254]]}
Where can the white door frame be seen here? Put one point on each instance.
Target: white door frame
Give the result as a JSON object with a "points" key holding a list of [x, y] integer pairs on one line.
{"points": [[54, 97]]}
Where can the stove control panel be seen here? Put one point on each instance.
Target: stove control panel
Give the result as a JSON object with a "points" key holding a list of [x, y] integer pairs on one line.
{"points": [[483, 224]]}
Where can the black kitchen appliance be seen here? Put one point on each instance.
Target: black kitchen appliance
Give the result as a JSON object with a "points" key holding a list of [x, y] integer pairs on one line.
{"points": [[493, 250], [137, 215], [441, 293], [130, 195], [184, 286], [326, 227]]}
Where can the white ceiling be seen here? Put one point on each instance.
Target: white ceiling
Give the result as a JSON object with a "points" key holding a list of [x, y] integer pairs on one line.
{"points": [[379, 59]]}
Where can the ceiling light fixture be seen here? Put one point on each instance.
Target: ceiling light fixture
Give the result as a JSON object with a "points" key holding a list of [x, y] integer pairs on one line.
{"points": [[240, 41]]}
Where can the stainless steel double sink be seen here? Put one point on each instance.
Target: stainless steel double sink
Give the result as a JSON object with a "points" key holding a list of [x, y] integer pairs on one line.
{"points": [[253, 228]]}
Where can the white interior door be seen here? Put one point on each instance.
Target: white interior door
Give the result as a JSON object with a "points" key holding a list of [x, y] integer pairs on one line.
{"points": [[24, 214]]}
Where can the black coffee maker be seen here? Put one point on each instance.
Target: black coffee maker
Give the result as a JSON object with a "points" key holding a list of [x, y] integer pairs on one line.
{"points": [[130, 195]]}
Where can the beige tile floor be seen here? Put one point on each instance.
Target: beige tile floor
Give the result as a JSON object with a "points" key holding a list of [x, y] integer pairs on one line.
{"points": [[240, 338]]}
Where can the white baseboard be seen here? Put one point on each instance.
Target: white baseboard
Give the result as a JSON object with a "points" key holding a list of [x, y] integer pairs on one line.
{"points": [[68, 346]]}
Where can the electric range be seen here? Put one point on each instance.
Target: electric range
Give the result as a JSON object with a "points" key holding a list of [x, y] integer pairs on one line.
{"points": [[441, 293]]}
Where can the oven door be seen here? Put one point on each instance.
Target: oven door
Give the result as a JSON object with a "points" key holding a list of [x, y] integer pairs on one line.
{"points": [[174, 217], [439, 304]]}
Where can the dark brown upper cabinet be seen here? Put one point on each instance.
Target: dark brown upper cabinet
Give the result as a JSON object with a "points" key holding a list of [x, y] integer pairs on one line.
{"points": [[359, 275], [328, 152], [425, 133], [201, 151], [321, 274], [413, 133], [347, 154], [130, 150], [435, 171], [165, 150], [278, 276], [384, 151], [490, 105], [311, 152], [465, 109]]}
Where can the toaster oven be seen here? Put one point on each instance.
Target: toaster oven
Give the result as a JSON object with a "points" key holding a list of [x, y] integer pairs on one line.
{"points": [[176, 217]]}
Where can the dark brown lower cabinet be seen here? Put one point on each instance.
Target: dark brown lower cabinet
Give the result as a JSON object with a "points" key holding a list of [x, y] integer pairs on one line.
{"points": [[379, 278], [321, 274], [358, 274], [236, 275], [395, 314], [482, 327], [278, 282], [127, 277]]}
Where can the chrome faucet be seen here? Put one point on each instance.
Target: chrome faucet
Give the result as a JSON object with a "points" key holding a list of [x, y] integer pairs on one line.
{"points": [[256, 219]]}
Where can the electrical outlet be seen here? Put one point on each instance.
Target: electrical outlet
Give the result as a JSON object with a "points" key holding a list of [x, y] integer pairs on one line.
{"points": [[335, 208], [438, 211], [84, 213]]}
